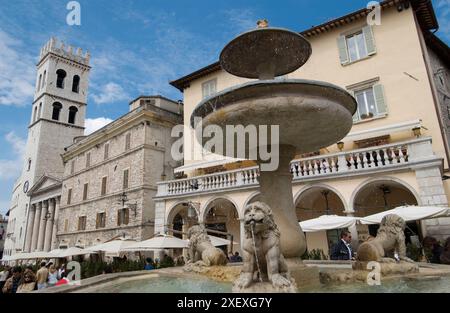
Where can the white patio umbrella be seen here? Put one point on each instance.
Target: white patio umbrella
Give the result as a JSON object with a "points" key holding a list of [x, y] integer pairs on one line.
{"points": [[409, 213], [160, 241], [327, 222], [217, 241], [73, 251], [112, 248]]}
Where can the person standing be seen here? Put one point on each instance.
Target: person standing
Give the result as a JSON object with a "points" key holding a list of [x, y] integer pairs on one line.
{"points": [[342, 250], [4, 275], [28, 283], [13, 282], [52, 276], [42, 276]]}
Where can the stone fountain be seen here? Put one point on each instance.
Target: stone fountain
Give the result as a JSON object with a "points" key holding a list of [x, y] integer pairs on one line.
{"points": [[310, 114]]}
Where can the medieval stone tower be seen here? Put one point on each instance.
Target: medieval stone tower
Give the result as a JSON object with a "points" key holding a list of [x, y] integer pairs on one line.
{"points": [[57, 117]]}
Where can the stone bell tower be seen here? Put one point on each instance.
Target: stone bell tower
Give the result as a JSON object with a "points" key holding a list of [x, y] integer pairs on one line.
{"points": [[57, 117]]}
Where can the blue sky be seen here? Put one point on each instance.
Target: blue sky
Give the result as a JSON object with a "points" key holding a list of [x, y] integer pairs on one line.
{"points": [[137, 47]]}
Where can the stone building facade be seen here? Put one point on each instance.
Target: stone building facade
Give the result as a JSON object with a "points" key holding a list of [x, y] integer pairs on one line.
{"points": [[110, 176], [57, 117]]}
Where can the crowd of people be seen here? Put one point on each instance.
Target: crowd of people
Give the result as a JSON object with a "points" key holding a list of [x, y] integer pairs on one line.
{"points": [[19, 280]]}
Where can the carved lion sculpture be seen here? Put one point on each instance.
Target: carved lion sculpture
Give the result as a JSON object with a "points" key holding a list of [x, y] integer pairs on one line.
{"points": [[390, 238], [201, 250], [263, 260]]}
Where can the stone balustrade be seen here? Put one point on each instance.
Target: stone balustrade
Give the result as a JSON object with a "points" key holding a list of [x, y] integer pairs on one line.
{"points": [[388, 157]]}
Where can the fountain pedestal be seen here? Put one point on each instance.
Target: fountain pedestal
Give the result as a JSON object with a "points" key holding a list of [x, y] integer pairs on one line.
{"points": [[276, 191]]}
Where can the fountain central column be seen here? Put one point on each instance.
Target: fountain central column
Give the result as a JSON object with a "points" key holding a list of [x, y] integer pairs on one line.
{"points": [[276, 191]]}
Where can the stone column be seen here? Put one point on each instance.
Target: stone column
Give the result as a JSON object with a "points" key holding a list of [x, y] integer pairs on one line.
{"points": [[49, 225], [37, 218], [54, 243], [30, 227], [40, 245]]}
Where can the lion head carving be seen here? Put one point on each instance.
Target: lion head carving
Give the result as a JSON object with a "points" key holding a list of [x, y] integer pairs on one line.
{"points": [[392, 223], [259, 216]]}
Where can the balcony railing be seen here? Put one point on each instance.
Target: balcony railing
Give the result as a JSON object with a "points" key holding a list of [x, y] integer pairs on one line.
{"points": [[356, 162]]}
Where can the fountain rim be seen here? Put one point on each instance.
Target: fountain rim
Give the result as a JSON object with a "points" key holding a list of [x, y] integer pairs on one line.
{"points": [[271, 82], [242, 36]]}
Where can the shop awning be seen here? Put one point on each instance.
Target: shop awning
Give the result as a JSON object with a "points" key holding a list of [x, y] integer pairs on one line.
{"points": [[327, 222], [409, 213], [158, 242]]}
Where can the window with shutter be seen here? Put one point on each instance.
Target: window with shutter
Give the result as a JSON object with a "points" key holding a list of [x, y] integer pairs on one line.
{"points": [[356, 46], [127, 216], [119, 217], [104, 181], [85, 191], [371, 103], [125, 179], [69, 196], [209, 88]]}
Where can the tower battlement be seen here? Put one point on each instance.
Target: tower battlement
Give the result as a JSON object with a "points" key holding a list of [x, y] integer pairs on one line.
{"points": [[58, 47]]}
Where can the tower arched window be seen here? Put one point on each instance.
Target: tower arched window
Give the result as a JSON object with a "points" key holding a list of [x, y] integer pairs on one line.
{"points": [[76, 84], [39, 83], [35, 114], [39, 111], [72, 114], [61, 75], [44, 78], [57, 107]]}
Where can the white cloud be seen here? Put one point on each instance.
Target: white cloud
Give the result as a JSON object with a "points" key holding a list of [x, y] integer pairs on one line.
{"points": [[93, 124], [11, 168], [240, 20], [17, 72], [111, 92]]}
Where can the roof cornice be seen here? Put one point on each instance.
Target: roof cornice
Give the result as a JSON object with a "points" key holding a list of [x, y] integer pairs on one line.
{"points": [[423, 9]]}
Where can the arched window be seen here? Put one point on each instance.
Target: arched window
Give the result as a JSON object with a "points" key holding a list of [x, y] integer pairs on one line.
{"points": [[29, 165], [35, 114], [76, 83], [61, 75], [57, 107], [72, 114], [43, 79], [39, 83], [39, 111]]}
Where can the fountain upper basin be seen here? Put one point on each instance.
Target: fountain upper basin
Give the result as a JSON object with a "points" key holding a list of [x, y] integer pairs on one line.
{"points": [[310, 114]]}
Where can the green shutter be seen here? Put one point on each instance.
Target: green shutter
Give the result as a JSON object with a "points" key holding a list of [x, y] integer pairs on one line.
{"points": [[378, 92], [342, 45], [370, 40]]}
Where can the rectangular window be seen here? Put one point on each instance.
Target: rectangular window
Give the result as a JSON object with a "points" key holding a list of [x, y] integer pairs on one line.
{"points": [[82, 223], [72, 167], [106, 153], [85, 191], [371, 103], [123, 217], [209, 88], [69, 196], [125, 179], [127, 141], [88, 159], [101, 220], [356, 46], [104, 181]]}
